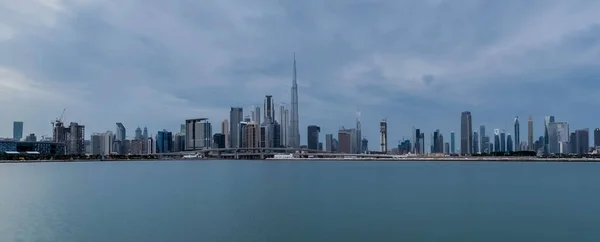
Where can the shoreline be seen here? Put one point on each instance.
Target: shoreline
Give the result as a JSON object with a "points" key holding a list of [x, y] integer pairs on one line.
{"points": [[421, 159]]}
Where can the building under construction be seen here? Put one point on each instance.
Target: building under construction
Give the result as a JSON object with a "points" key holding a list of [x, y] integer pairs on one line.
{"points": [[72, 136]]}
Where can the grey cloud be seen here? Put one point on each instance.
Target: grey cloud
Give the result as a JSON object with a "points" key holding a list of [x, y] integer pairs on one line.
{"points": [[415, 62]]}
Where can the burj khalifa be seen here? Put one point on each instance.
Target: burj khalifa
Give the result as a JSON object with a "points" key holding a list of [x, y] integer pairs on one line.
{"points": [[294, 130]]}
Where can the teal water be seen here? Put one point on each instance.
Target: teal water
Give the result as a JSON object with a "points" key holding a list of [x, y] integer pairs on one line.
{"points": [[299, 201]]}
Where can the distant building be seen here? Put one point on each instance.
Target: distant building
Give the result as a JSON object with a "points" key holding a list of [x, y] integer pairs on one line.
{"points": [[466, 132], [225, 132], [219, 141], [558, 133], [509, 144], [31, 138], [236, 116], [164, 142], [345, 141], [365, 146], [44, 148], [18, 130], [597, 137], [138, 133], [452, 145], [329, 142], [517, 134], [313, 137], [530, 142], [320, 147], [198, 134], [547, 121], [383, 136], [583, 141]]}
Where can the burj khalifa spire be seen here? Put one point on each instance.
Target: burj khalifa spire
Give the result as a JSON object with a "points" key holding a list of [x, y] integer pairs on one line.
{"points": [[294, 130]]}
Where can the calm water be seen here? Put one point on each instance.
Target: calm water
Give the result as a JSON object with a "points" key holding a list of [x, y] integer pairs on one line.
{"points": [[299, 201]]}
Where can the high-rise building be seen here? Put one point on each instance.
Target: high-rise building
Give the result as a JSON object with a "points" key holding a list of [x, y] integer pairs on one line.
{"points": [[530, 134], [358, 134], [218, 141], [313, 137], [146, 133], [329, 142], [283, 125], [482, 144], [547, 121], [120, 132], [269, 109], [497, 140], [573, 143], [178, 141], [383, 135], [583, 141], [345, 141], [364, 146], [466, 133], [517, 133], [509, 144], [255, 114], [475, 143], [558, 135], [225, 132], [76, 139], [294, 132], [138, 133], [198, 134], [452, 145], [503, 141], [17, 130], [236, 116], [164, 142], [597, 137]]}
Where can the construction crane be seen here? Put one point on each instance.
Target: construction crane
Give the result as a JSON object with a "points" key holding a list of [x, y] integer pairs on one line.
{"points": [[58, 120]]}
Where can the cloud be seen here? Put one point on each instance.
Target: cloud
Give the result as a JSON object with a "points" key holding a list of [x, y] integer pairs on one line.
{"points": [[418, 63]]}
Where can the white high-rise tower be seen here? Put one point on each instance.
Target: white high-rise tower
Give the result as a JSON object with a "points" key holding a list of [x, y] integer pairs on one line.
{"points": [[294, 133]]}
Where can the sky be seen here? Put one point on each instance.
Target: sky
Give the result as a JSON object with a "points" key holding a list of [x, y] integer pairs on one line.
{"points": [[416, 63]]}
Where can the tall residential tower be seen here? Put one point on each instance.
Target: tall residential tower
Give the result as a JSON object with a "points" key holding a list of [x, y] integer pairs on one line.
{"points": [[294, 132], [466, 133]]}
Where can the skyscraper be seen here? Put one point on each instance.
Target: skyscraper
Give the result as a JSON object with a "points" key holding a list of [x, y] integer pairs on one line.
{"points": [[597, 137], [121, 133], [313, 137], [255, 115], [146, 133], [466, 133], [482, 143], [558, 136], [509, 144], [475, 143], [530, 134], [583, 141], [329, 142], [383, 135], [198, 134], [269, 109], [497, 140], [547, 121], [17, 130], [503, 141], [236, 116], [358, 133], [138, 133], [294, 132], [452, 145], [283, 125], [225, 132], [517, 134]]}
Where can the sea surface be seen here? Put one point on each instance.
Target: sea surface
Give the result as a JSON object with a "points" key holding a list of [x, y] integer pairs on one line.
{"points": [[311, 201]]}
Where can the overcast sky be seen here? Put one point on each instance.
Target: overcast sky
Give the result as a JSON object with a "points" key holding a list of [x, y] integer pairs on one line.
{"points": [[417, 63]]}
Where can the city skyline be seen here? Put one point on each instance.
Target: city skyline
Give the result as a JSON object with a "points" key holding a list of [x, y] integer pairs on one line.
{"points": [[432, 70]]}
